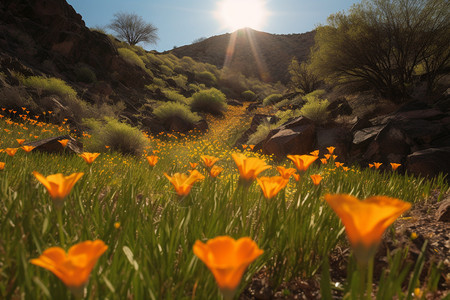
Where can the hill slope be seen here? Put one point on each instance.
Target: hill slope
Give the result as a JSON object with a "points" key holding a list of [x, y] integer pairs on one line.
{"points": [[255, 53]]}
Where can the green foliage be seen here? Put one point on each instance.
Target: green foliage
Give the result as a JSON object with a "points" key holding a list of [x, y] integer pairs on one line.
{"points": [[272, 99], [169, 110], [248, 95], [211, 101], [206, 77], [85, 74], [315, 109], [131, 57], [262, 131], [166, 70], [120, 137], [50, 85], [303, 78], [174, 96]]}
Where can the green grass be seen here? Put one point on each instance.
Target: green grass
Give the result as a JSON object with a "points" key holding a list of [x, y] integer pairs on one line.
{"points": [[150, 256]]}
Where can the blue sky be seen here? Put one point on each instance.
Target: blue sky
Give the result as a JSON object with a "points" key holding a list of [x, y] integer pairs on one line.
{"points": [[181, 22]]}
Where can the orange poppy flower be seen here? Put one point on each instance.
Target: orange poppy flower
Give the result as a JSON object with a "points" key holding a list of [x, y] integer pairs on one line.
{"points": [[209, 160], [365, 221], [395, 166], [193, 165], [315, 153], [183, 183], [63, 142], [152, 160], [20, 141], [338, 164], [345, 169], [324, 161], [302, 162], [75, 266], [370, 166], [11, 151], [58, 185], [377, 165], [327, 156], [286, 173], [330, 149], [296, 177], [271, 186], [316, 178], [2, 165], [227, 259], [249, 167], [215, 171], [89, 157], [251, 147], [244, 146], [27, 148]]}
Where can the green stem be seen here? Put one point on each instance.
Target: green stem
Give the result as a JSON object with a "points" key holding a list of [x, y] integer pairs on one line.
{"points": [[60, 227], [369, 279]]}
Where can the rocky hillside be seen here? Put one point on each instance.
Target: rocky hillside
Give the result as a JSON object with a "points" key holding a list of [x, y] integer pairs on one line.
{"points": [[253, 53]]}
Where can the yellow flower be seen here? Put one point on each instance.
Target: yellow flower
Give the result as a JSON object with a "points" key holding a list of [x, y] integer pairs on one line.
{"points": [[20, 141], [209, 160], [395, 166], [302, 162], [89, 157], [75, 266], [249, 168], [316, 178], [58, 185], [215, 171], [183, 183], [11, 151], [330, 149], [365, 221], [285, 173], [63, 142], [272, 185], [2, 165], [152, 160], [27, 148], [227, 259]]}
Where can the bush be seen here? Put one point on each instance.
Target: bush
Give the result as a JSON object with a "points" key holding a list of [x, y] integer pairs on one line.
{"points": [[85, 74], [315, 109], [131, 58], [118, 136], [211, 101], [206, 77], [166, 70], [272, 99], [175, 97], [262, 131], [248, 96], [50, 85], [169, 110]]}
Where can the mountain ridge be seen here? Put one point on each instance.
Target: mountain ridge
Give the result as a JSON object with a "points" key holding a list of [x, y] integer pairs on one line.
{"points": [[253, 53]]}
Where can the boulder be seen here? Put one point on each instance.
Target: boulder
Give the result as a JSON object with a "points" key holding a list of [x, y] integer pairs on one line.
{"points": [[51, 145], [338, 137], [340, 107], [429, 162], [293, 140]]}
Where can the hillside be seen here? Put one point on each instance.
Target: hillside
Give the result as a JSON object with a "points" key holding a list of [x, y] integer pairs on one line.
{"points": [[275, 51]]}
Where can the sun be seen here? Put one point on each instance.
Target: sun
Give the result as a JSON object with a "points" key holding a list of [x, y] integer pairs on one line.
{"points": [[236, 14]]}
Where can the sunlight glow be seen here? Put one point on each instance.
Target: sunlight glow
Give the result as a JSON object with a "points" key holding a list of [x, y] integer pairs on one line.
{"points": [[236, 14]]}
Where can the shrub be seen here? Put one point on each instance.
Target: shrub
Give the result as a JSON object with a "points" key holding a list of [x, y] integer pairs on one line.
{"points": [[165, 70], [315, 109], [272, 99], [85, 74], [206, 77], [282, 103], [50, 85], [180, 80], [211, 101], [174, 96], [159, 82], [248, 95], [153, 59], [119, 136], [131, 58], [169, 110], [262, 131]]}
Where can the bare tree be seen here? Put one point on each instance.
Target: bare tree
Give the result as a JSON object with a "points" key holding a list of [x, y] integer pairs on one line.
{"points": [[133, 29]]}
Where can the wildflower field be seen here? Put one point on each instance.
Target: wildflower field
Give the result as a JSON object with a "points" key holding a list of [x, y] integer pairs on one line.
{"points": [[194, 218]]}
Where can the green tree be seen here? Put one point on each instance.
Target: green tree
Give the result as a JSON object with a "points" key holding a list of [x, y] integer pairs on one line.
{"points": [[382, 43], [133, 29], [303, 78]]}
